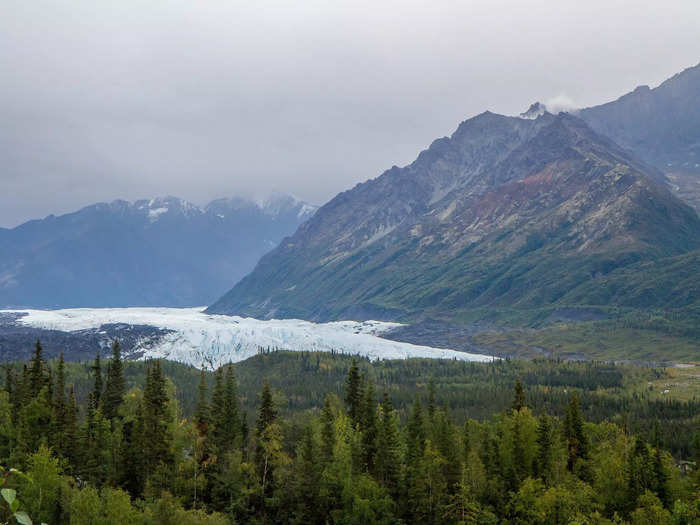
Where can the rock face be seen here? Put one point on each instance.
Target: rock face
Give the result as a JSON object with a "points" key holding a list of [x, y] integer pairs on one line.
{"points": [[660, 126], [507, 212], [164, 252]]}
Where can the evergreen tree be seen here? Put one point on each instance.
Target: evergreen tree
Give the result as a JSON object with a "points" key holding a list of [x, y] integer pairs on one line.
{"points": [[519, 396], [9, 385], [220, 436], [231, 413], [202, 416], [131, 454], [49, 388], [520, 467], [353, 394], [115, 387], [308, 479], [97, 372], [416, 434], [92, 445], [369, 427], [37, 380], [577, 445], [661, 479], [267, 414], [327, 431], [23, 388], [641, 472], [157, 436], [446, 444], [268, 450], [431, 399], [543, 462], [388, 462], [71, 429], [60, 408]]}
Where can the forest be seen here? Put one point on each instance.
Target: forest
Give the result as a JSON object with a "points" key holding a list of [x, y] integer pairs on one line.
{"points": [[300, 437]]}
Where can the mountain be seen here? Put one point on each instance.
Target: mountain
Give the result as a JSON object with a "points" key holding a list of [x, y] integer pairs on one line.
{"points": [[510, 213], [660, 126], [159, 252]]}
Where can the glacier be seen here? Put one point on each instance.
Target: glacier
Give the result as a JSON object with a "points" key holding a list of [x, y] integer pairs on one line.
{"points": [[212, 340]]}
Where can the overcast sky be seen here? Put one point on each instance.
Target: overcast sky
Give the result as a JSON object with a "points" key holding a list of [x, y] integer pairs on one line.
{"points": [[203, 99]]}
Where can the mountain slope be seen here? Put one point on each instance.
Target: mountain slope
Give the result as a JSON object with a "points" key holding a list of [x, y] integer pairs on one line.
{"points": [[507, 212], [660, 126], [164, 252]]}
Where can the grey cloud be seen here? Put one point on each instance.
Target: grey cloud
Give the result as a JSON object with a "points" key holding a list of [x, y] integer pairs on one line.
{"points": [[130, 99]]}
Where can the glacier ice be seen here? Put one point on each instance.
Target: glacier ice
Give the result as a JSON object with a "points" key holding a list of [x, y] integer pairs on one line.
{"points": [[197, 338]]}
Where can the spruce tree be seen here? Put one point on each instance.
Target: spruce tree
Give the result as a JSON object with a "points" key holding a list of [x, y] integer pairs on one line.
{"points": [[37, 379], [9, 385], [267, 414], [202, 416], [97, 388], [431, 400], [521, 470], [661, 479], [327, 431], [388, 461], [115, 387], [60, 408], [577, 445], [131, 455], [519, 396], [416, 434], [70, 451], [232, 416], [92, 444], [218, 413], [641, 472], [157, 437], [445, 441], [24, 393], [543, 462], [369, 427], [49, 388], [353, 393], [267, 448], [308, 477]]}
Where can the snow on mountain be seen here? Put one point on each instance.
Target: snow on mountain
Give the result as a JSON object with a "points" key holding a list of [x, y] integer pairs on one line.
{"points": [[277, 204], [197, 338], [163, 251]]}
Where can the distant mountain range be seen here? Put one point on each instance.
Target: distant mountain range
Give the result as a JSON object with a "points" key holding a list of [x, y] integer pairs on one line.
{"points": [[543, 211], [159, 252]]}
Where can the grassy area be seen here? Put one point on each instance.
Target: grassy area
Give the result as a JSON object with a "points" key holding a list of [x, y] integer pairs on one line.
{"points": [[602, 341], [678, 383]]}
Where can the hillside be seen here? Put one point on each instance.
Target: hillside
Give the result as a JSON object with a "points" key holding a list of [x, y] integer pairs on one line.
{"points": [[164, 252], [506, 213]]}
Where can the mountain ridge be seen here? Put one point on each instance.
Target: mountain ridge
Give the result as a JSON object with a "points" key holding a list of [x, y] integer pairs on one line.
{"points": [[475, 221], [661, 126], [149, 252]]}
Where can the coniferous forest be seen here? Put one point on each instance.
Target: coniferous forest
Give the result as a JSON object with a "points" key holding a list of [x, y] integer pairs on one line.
{"points": [[336, 439]]}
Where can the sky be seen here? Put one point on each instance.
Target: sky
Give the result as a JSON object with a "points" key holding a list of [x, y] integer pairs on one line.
{"points": [[135, 99]]}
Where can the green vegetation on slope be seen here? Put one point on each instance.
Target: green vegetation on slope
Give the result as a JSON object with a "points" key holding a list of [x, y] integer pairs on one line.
{"points": [[592, 340]]}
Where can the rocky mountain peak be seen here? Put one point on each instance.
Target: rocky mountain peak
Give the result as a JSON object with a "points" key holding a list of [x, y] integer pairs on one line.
{"points": [[535, 110], [498, 213]]}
